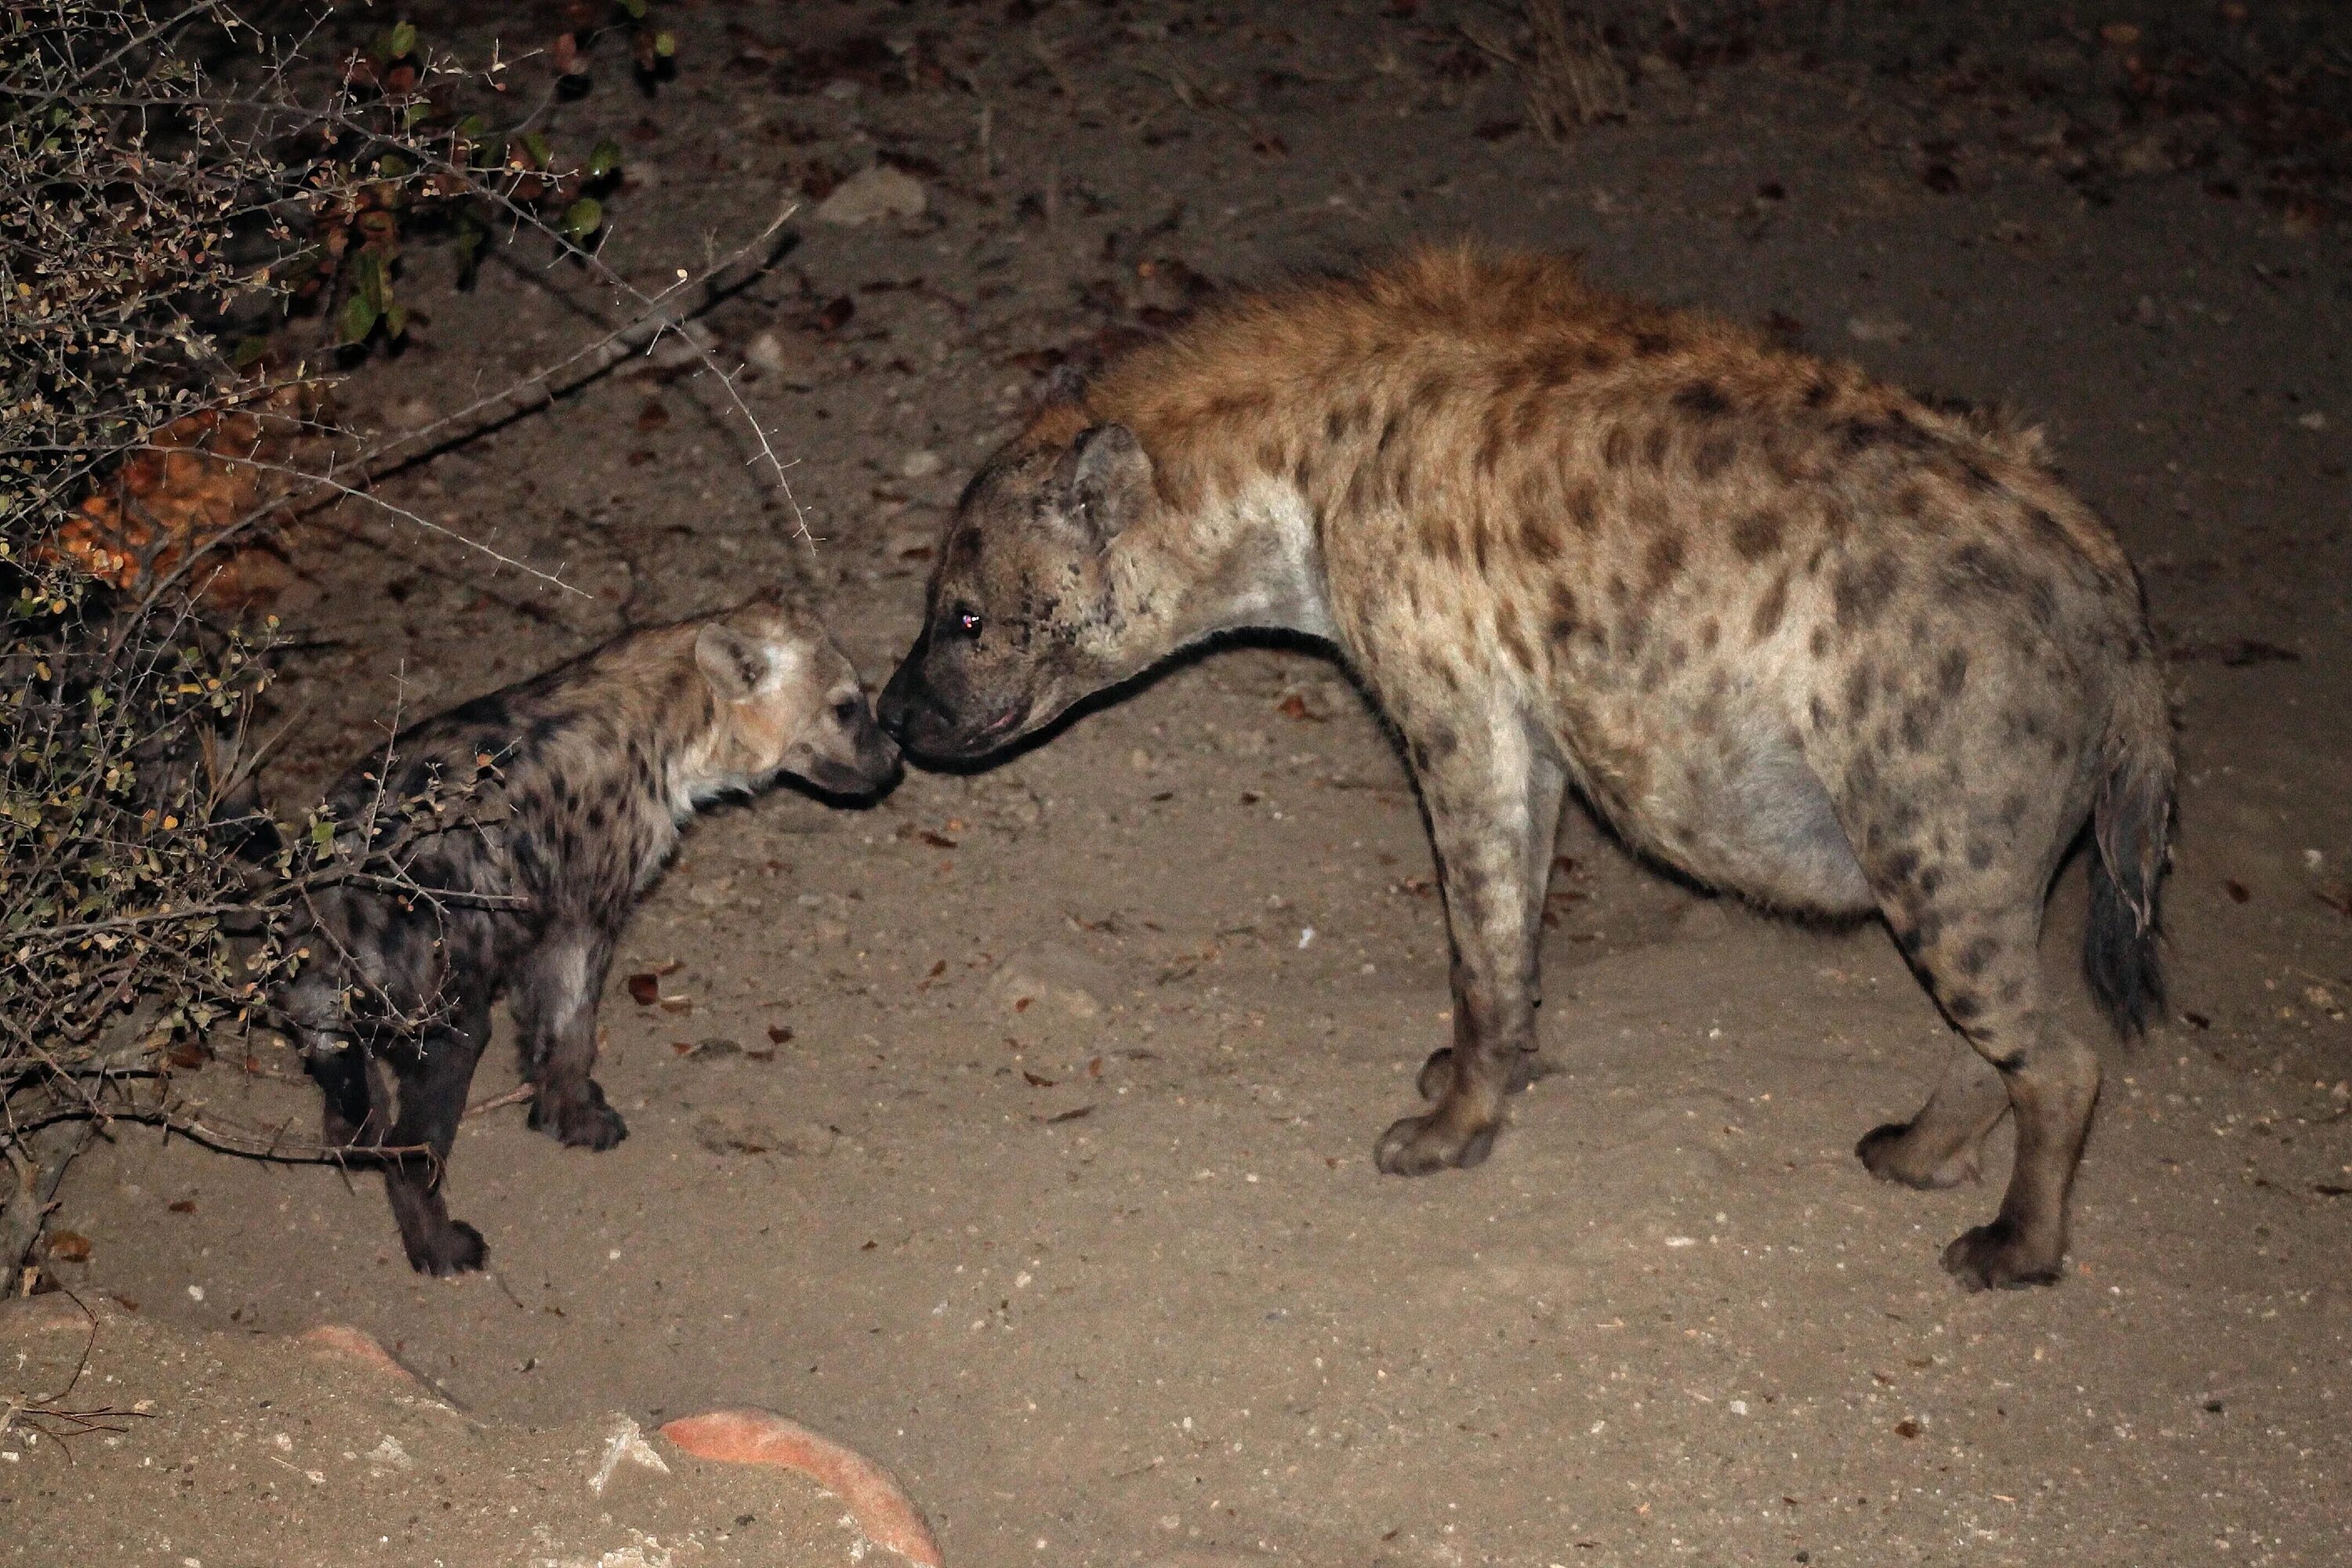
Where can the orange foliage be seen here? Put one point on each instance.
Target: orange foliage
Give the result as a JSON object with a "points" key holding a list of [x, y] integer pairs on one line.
{"points": [[197, 477]]}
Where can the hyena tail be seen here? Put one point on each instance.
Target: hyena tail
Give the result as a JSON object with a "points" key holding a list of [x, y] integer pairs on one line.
{"points": [[2131, 824]]}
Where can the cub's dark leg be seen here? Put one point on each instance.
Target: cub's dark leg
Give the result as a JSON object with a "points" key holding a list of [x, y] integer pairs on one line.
{"points": [[553, 997], [1938, 1147], [1493, 800], [435, 1073]]}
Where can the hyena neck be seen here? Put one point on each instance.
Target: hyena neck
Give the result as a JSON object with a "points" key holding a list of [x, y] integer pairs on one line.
{"points": [[1236, 552]]}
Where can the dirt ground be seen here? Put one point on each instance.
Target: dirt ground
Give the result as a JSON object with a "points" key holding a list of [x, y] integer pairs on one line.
{"points": [[1017, 1130]]}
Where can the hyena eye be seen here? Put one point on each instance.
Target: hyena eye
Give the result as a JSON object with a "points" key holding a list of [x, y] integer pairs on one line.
{"points": [[966, 620], [845, 711]]}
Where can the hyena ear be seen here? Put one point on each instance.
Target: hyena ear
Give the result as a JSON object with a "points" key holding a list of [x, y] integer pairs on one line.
{"points": [[736, 665], [1106, 481]]}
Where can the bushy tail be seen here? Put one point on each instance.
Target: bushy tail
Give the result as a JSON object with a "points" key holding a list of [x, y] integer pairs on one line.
{"points": [[2131, 825]]}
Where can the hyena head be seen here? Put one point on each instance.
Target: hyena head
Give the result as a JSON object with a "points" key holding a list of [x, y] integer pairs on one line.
{"points": [[787, 700], [1026, 612]]}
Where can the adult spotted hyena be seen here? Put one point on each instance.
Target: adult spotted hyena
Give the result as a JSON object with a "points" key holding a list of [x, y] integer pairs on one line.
{"points": [[1799, 635], [499, 848]]}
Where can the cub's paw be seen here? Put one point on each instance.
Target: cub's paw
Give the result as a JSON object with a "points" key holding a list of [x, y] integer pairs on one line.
{"points": [[1887, 1153], [455, 1248], [1420, 1144], [579, 1123], [1992, 1257]]}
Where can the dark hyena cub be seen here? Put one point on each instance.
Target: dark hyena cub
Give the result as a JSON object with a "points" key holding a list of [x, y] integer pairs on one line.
{"points": [[499, 847], [1793, 632]]}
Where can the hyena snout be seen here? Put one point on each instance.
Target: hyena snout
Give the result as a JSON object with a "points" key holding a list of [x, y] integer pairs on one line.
{"points": [[941, 715], [852, 756]]}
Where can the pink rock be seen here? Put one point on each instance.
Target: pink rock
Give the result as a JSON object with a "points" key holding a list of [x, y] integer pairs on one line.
{"points": [[762, 1437], [355, 1344]]}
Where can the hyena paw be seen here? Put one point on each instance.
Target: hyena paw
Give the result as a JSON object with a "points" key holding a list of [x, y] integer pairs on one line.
{"points": [[1993, 1256], [584, 1121], [1888, 1154], [1437, 1073], [455, 1248], [1420, 1144]]}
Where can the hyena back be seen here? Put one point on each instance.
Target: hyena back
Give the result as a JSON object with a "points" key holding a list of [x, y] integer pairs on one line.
{"points": [[1795, 633], [500, 847]]}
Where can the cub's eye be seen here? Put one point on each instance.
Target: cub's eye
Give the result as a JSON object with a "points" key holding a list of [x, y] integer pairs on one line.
{"points": [[966, 620], [845, 711]]}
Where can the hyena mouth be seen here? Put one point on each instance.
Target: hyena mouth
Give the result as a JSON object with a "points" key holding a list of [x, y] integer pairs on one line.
{"points": [[1003, 723]]}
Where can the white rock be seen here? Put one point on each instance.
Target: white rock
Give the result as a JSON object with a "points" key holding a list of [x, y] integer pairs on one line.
{"points": [[878, 191], [921, 465], [1877, 329], [627, 1444]]}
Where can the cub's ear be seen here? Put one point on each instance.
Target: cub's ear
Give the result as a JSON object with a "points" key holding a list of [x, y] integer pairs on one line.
{"points": [[1105, 479], [737, 665]]}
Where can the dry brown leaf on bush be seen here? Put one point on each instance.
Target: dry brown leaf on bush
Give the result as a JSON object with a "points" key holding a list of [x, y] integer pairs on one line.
{"points": [[196, 478]]}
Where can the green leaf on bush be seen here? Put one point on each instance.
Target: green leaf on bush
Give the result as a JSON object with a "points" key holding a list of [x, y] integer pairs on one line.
{"points": [[403, 39], [358, 320], [665, 44], [249, 350], [603, 159], [583, 217], [395, 320], [539, 149], [368, 281], [391, 165], [635, 7]]}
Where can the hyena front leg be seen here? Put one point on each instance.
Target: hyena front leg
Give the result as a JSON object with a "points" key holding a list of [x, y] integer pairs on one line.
{"points": [[432, 1102], [1938, 1147], [1547, 790], [1494, 806], [553, 999]]}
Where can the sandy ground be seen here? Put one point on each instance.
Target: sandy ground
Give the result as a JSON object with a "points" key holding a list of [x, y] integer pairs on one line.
{"points": [[1017, 1130]]}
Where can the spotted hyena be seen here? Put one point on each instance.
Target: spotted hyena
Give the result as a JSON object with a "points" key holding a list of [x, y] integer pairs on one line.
{"points": [[1799, 635], [499, 848]]}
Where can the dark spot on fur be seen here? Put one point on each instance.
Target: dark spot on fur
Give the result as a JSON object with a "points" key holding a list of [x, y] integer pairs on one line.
{"points": [[1563, 613], [1819, 393], [1980, 854], [1862, 588], [1952, 671], [1977, 955], [1656, 445], [1769, 609], [1756, 535], [1710, 632], [1537, 541], [1817, 711], [1820, 642], [1714, 455], [1965, 1008], [1858, 692], [1650, 345], [1659, 562], [1703, 400], [1616, 448]]}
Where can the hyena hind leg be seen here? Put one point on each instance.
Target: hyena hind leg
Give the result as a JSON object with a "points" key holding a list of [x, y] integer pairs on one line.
{"points": [[1985, 970], [1941, 1146]]}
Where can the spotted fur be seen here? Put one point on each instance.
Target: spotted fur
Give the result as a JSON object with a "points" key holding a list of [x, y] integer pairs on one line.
{"points": [[499, 847]]}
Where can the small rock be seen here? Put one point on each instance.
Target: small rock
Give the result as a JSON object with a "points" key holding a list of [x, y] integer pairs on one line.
{"points": [[1877, 329], [1051, 976], [920, 465], [627, 1446], [878, 191], [787, 355], [2314, 420]]}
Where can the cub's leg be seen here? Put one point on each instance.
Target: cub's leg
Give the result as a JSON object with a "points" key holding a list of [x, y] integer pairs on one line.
{"points": [[553, 999], [1938, 1147], [1981, 958], [434, 1075], [1492, 799]]}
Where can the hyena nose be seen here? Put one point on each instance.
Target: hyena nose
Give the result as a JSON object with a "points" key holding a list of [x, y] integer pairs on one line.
{"points": [[897, 700]]}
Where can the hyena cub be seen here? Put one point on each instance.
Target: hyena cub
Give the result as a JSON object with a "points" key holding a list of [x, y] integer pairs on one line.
{"points": [[499, 848], [1795, 633]]}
